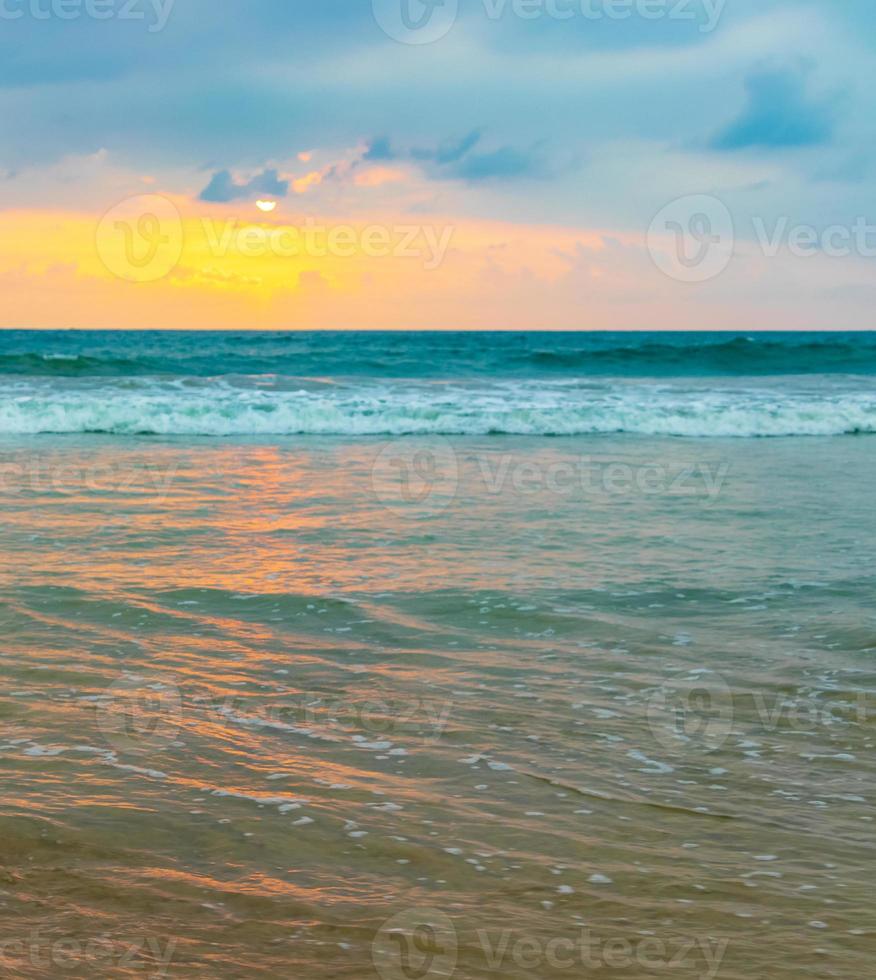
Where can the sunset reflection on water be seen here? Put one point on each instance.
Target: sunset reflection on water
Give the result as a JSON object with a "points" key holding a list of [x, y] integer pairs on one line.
{"points": [[256, 699]]}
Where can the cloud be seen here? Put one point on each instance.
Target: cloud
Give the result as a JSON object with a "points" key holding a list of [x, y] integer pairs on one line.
{"points": [[505, 162], [450, 151], [378, 176], [379, 150], [224, 188], [779, 114], [455, 158]]}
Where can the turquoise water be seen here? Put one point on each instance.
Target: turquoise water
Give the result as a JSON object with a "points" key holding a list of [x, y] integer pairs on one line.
{"points": [[426, 705], [471, 354], [225, 384]]}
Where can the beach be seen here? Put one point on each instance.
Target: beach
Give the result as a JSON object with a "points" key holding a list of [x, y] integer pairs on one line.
{"points": [[475, 656]]}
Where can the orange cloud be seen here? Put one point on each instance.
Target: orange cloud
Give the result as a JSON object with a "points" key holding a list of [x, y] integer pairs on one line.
{"points": [[302, 184], [377, 176]]}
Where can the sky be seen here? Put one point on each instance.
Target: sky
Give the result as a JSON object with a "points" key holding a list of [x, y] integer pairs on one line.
{"points": [[449, 164]]}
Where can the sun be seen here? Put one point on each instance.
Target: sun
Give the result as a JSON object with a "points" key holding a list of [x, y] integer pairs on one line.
{"points": [[266, 206]]}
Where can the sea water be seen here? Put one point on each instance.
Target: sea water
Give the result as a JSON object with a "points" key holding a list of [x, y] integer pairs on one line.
{"points": [[463, 655]]}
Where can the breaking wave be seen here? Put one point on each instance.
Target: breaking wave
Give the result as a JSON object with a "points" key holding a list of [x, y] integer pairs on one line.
{"points": [[218, 408]]}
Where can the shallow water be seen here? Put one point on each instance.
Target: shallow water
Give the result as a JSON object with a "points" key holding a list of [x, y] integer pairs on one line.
{"points": [[469, 707]]}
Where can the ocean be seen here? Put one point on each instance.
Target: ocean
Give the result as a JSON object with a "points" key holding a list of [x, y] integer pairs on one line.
{"points": [[416, 656], [271, 384]]}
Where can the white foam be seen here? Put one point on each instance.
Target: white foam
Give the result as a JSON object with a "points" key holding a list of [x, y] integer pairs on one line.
{"points": [[215, 408], [282, 802]]}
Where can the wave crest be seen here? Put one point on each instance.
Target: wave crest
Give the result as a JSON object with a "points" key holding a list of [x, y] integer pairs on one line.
{"points": [[552, 409]]}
